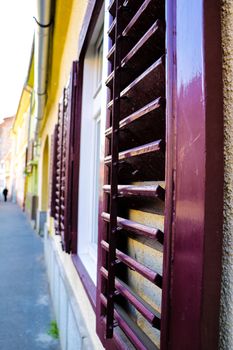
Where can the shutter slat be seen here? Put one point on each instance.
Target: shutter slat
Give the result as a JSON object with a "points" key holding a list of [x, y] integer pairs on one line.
{"points": [[144, 9], [143, 126], [151, 191], [148, 45], [151, 315], [112, 7], [135, 151], [138, 338], [110, 55], [143, 89], [155, 105], [156, 146], [148, 48], [149, 274], [137, 228], [145, 16], [111, 31], [149, 12], [132, 4]]}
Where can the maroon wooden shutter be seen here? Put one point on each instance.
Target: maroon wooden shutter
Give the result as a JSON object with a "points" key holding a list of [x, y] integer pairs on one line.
{"points": [[51, 165], [61, 172], [54, 171], [64, 192], [58, 191], [70, 216], [75, 131], [134, 168], [63, 169], [26, 158], [193, 268]]}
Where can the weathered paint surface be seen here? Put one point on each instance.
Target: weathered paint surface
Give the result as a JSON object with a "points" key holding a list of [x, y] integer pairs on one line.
{"points": [[226, 317]]}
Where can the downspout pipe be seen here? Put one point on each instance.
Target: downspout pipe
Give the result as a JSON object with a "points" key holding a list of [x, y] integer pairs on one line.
{"points": [[43, 23]]}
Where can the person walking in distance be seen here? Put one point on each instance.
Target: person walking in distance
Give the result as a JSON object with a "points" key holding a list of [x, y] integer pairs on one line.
{"points": [[5, 192]]}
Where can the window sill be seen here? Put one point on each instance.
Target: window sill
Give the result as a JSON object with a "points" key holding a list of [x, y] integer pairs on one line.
{"points": [[87, 281], [90, 264]]}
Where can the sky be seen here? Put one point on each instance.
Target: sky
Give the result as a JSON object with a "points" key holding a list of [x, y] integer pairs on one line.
{"points": [[16, 35]]}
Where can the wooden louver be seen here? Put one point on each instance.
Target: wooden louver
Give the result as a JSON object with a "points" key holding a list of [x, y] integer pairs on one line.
{"points": [[63, 159], [58, 195], [129, 284], [60, 167], [54, 172], [71, 166]]}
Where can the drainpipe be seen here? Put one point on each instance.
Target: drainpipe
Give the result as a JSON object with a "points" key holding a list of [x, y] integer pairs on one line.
{"points": [[43, 23]]}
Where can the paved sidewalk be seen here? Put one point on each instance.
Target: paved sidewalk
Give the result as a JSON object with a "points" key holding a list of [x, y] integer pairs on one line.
{"points": [[25, 306]]}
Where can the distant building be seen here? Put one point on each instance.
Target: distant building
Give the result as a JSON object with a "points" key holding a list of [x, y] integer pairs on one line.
{"points": [[20, 134], [5, 154]]}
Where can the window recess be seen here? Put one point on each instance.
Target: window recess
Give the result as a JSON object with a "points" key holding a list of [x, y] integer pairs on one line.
{"points": [[132, 214]]}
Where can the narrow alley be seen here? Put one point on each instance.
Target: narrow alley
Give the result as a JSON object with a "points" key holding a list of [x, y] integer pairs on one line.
{"points": [[25, 305], [116, 164]]}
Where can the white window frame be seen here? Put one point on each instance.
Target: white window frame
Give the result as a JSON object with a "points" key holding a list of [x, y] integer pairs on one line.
{"points": [[92, 113]]}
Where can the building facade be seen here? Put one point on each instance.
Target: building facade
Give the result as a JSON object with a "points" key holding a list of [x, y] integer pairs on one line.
{"points": [[130, 148], [5, 154], [20, 140]]}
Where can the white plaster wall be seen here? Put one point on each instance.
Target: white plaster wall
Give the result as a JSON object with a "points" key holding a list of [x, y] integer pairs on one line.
{"points": [[226, 316], [74, 314]]}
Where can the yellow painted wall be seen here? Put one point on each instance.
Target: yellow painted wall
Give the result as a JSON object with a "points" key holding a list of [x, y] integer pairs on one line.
{"points": [[20, 138], [64, 46], [69, 17], [45, 178]]}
